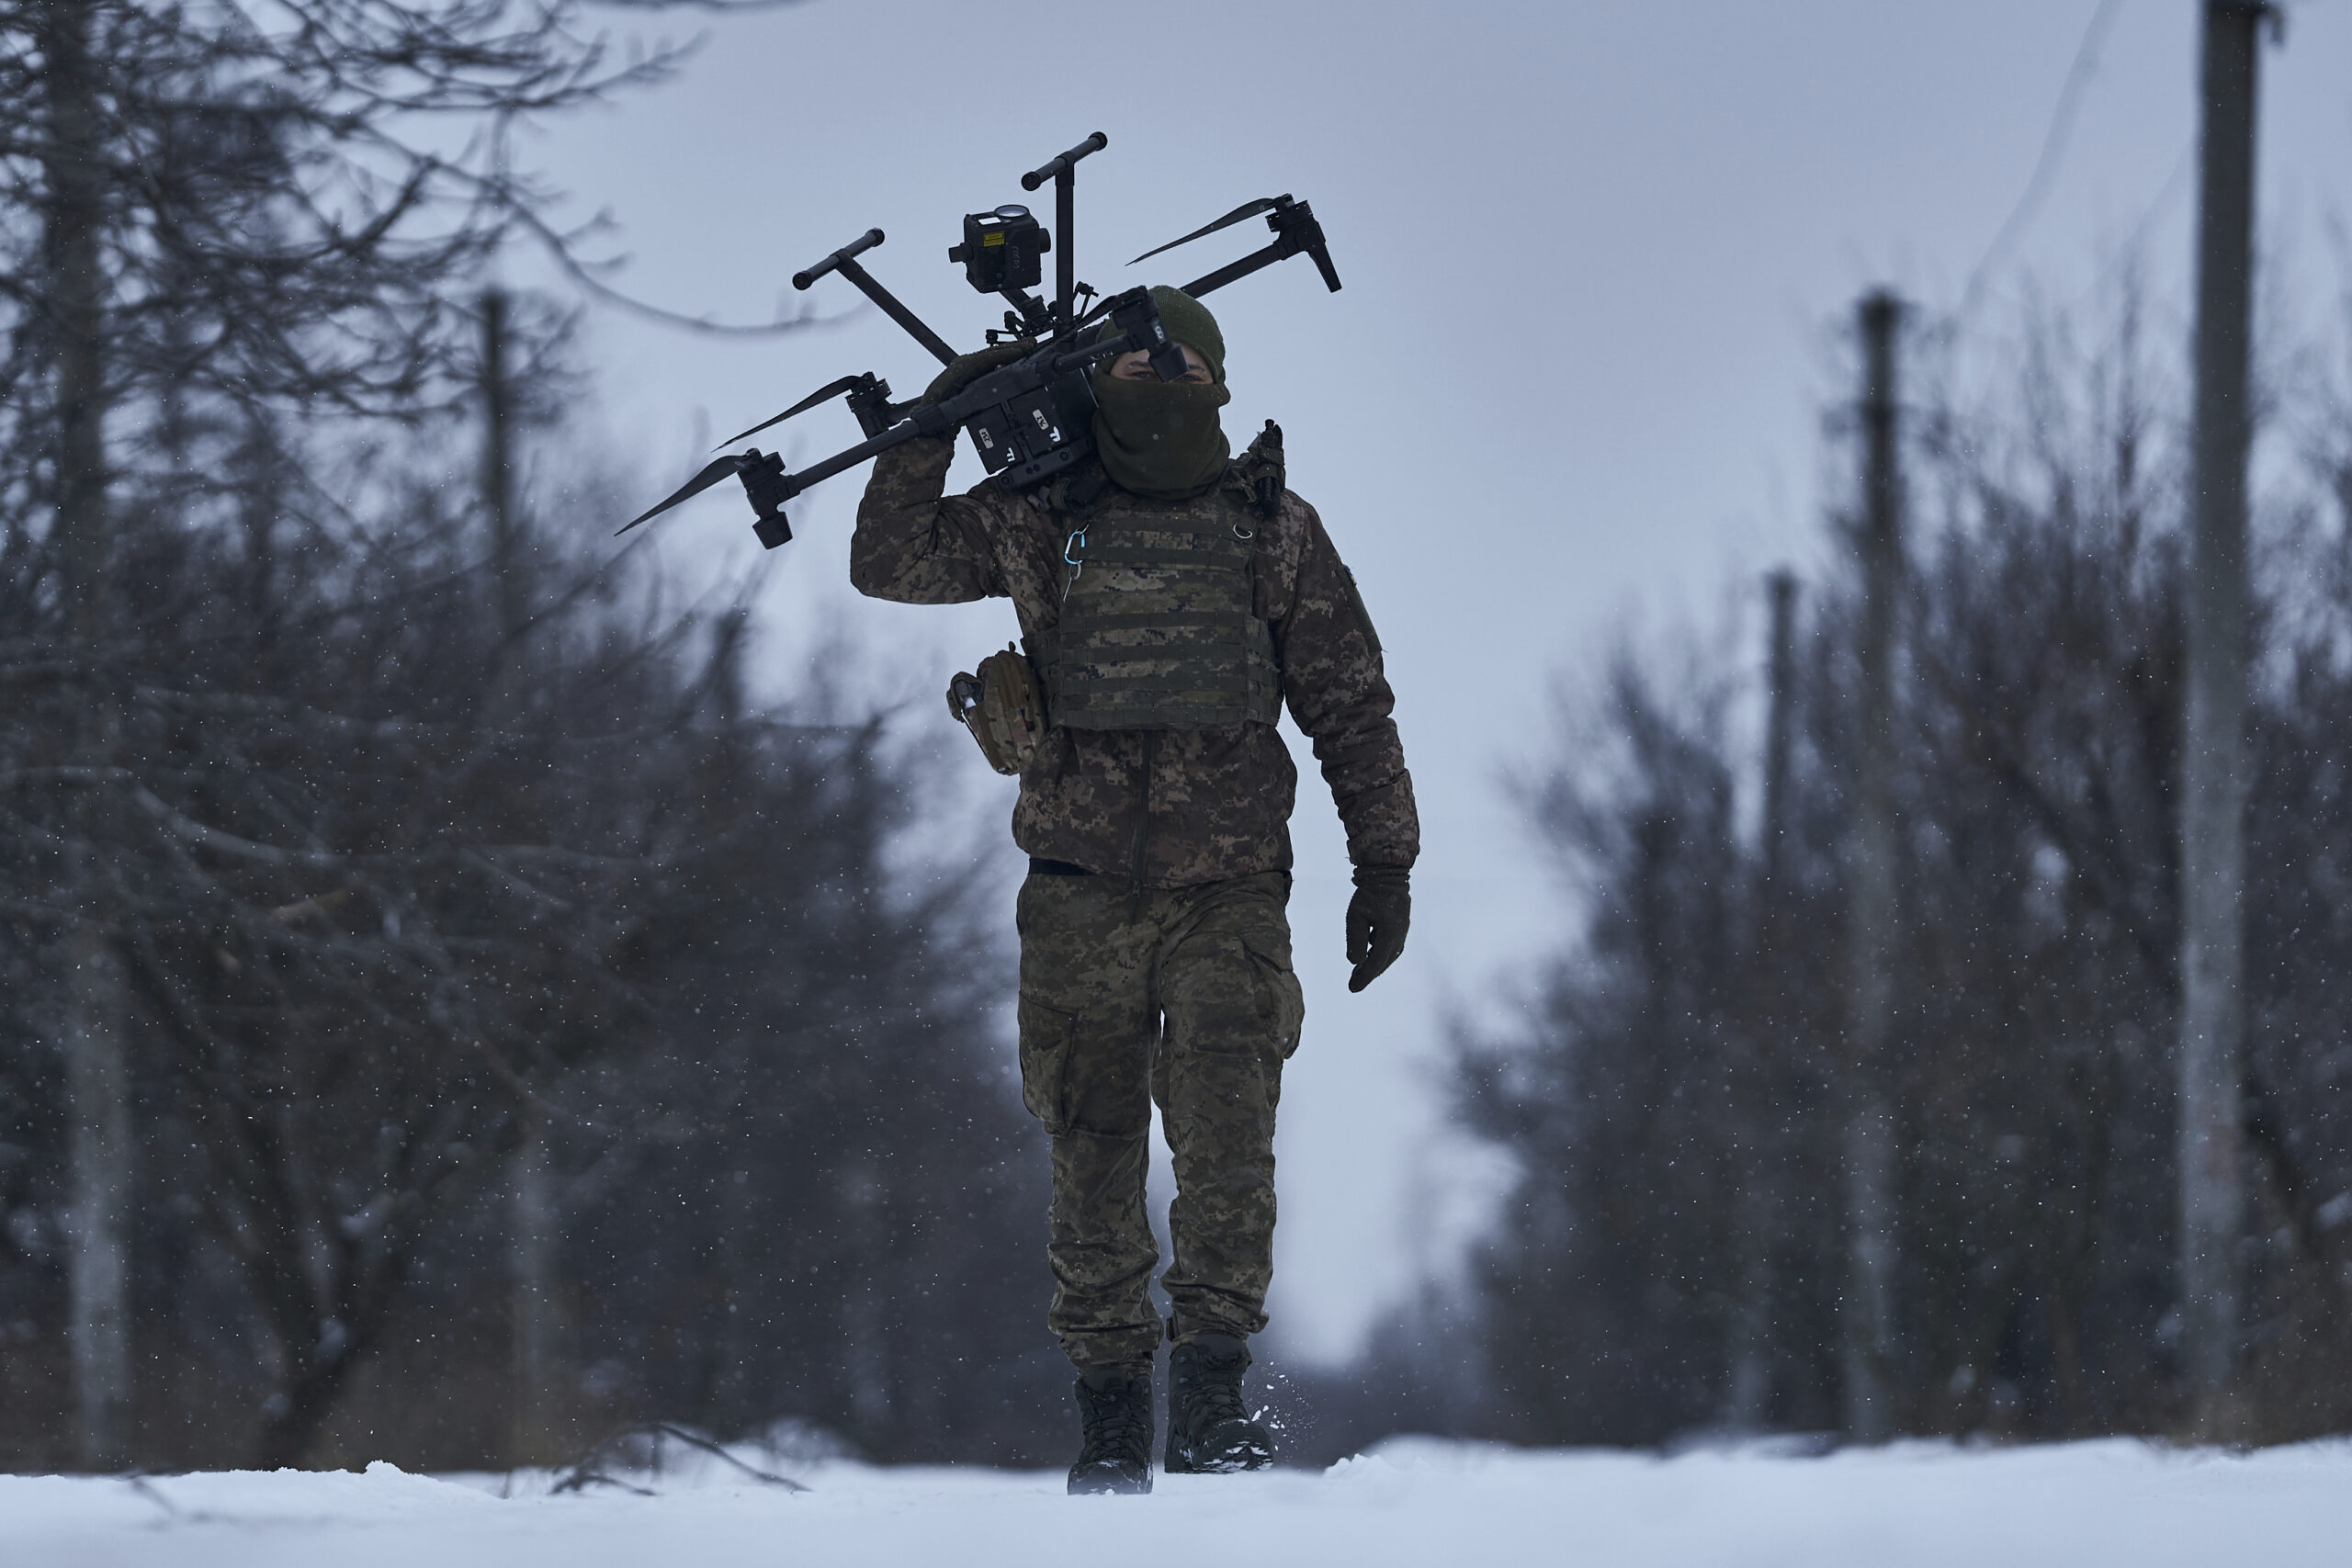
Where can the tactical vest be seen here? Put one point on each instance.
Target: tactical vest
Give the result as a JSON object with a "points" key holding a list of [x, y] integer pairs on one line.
{"points": [[1157, 629]]}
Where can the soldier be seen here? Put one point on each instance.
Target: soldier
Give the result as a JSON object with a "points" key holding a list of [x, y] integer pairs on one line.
{"points": [[1171, 600]]}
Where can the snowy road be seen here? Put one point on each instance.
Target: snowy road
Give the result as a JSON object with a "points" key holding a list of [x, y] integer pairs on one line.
{"points": [[1424, 1503]]}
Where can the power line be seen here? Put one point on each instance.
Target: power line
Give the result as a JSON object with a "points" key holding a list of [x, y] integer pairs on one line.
{"points": [[2054, 150]]}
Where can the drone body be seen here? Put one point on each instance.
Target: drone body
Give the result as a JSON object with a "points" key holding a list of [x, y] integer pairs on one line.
{"points": [[1033, 418]]}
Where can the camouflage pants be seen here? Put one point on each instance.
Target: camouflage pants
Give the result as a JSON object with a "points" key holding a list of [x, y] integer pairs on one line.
{"points": [[1184, 998]]}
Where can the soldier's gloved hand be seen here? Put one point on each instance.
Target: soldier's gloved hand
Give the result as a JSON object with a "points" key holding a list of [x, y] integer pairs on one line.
{"points": [[967, 368], [1377, 916]]}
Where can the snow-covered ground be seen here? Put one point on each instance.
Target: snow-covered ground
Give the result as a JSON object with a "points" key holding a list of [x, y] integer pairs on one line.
{"points": [[1417, 1501]]}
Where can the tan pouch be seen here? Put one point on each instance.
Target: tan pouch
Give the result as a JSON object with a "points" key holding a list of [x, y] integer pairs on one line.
{"points": [[1004, 707]]}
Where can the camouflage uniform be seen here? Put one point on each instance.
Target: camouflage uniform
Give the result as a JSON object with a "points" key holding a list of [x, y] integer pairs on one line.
{"points": [[1165, 974]]}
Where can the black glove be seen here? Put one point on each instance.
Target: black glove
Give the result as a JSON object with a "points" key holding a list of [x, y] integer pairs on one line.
{"points": [[1377, 916], [965, 369]]}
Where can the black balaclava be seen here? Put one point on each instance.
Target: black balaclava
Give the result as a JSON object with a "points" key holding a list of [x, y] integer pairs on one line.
{"points": [[1159, 439]]}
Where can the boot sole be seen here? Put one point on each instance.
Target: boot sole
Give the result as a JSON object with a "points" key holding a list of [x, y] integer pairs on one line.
{"points": [[1103, 1480], [1230, 1462]]}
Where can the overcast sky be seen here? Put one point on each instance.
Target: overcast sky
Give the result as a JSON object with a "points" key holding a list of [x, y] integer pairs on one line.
{"points": [[1595, 255]]}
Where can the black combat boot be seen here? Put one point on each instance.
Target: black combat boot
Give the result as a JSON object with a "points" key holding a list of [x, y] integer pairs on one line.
{"points": [[1115, 1416], [1209, 1430]]}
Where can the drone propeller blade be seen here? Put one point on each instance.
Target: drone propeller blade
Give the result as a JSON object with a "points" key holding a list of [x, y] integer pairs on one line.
{"points": [[831, 389], [717, 469], [1247, 209]]}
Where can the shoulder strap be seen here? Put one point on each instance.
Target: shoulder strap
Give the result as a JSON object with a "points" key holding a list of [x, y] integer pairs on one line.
{"points": [[1077, 494]]}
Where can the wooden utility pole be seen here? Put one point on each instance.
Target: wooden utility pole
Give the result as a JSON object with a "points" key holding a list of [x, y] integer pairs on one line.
{"points": [[534, 1215], [1748, 1394], [2212, 754], [535, 1437], [91, 987], [1780, 679], [1871, 904]]}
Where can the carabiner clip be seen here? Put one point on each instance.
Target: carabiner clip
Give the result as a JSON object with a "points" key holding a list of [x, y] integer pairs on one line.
{"points": [[1077, 539]]}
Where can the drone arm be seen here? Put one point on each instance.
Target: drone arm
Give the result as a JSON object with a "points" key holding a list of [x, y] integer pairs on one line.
{"points": [[844, 261], [1065, 225], [1063, 171], [942, 418], [1295, 232], [899, 435], [922, 335], [770, 485], [1234, 271], [925, 419], [946, 417]]}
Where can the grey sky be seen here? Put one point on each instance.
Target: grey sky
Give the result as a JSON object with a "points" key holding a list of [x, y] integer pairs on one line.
{"points": [[1592, 253]]}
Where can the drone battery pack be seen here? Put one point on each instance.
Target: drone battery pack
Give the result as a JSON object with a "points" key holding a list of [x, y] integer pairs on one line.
{"points": [[1034, 434]]}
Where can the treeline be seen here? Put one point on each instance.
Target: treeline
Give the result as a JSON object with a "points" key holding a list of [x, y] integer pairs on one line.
{"points": [[400, 917], [444, 1017], [1676, 1258]]}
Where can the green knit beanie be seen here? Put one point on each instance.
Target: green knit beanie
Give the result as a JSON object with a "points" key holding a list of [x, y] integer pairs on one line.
{"points": [[1189, 322]]}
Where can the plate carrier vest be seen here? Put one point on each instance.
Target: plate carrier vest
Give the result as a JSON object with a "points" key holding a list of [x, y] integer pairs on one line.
{"points": [[1158, 628]]}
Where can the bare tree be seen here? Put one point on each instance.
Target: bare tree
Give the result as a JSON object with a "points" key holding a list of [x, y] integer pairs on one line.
{"points": [[211, 212], [2038, 750]]}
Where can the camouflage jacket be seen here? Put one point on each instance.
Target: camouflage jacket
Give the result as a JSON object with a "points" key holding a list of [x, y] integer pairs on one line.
{"points": [[1177, 808]]}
